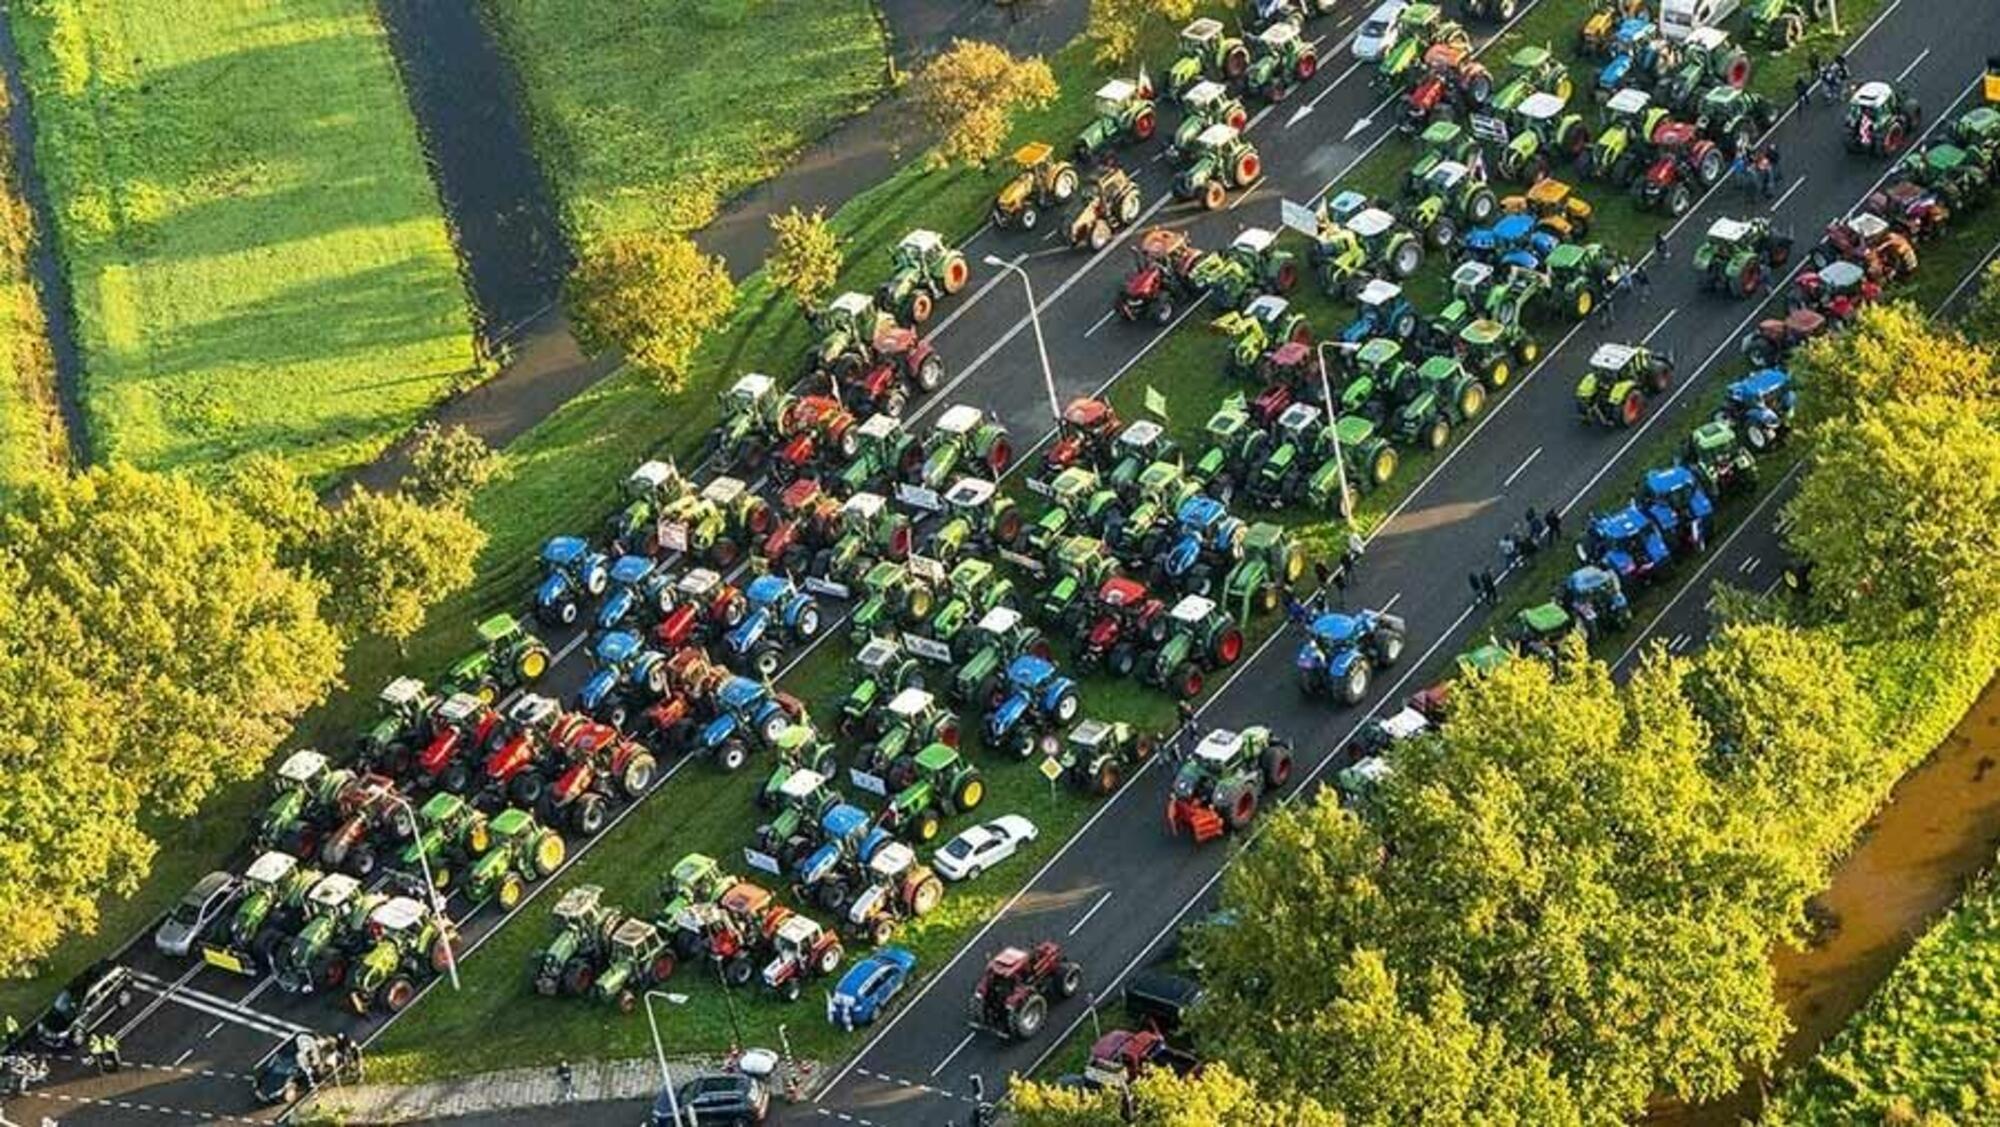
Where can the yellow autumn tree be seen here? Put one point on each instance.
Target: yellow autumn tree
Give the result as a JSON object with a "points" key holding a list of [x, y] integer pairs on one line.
{"points": [[1117, 27], [967, 97]]}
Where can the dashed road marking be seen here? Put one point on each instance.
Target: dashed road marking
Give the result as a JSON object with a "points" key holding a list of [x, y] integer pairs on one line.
{"points": [[1085, 918], [953, 1054], [1525, 463]]}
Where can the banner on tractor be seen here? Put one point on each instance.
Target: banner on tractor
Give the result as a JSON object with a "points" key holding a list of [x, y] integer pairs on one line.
{"points": [[1028, 564], [930, 649], [223, 958], [864, 781], [762, 861], [1488, 128], [927, 569], [1298, 217], [828, 587], [1156, 404], [674, 535]]}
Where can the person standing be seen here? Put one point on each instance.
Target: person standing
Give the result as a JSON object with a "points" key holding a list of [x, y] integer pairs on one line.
{"points": [[565, 1082], [1660, 246], [1644, 283], [1802, 94], [1554, 520], [1490, 586]]}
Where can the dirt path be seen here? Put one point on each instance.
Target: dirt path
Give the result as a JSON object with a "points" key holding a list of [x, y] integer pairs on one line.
{"points": [[51, 283]]}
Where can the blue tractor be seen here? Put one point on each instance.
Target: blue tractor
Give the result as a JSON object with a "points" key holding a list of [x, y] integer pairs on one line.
{"points": [[628, 677], [745, 711], [1385, 312], [1512, 240], [1678, 506], [1760, 406], [778, 614], [571, 573], [1342, 651], [1205, 543], [1038, 704], [1639, 55], [640, 589], [1596, 600], [1626, 543], [832, 873]]}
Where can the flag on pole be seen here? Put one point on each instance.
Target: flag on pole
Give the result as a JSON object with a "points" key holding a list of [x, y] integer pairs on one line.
{"points": [[1156, 404]]}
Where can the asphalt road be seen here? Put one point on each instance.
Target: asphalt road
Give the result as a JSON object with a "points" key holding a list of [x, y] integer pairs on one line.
{"points": [[1122, 884]]}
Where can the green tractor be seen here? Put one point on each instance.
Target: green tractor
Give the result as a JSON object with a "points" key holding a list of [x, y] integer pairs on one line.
{"points": [[270, 909], [1440, 141], [1077, 567], [1098, 754], [845, 331], [637, 958], [413, 943], [567, 964], [1281, 60], [1201, 637], [1272, 562], [922, 269], [1580, 276], [797, 748], [1209, 53], [1622, 377], [1490, 350], [1977, 131], [1266, 268], [928, 787], [707, 525], [1517, 292], [1144, 443], [1532, 68], [799, 802], [1378, 366], [910, 720], [402, 725], [1301, 453], [987, 646], [1707, 58], [1254, 332], [521, 851], [1737, 256], [1442, 394], [1220, 160], [1734, 118], [1419, 27], [334, 931], [1391, 248], [890, 597], [1957, 177], [451, 834], [1778, 24], [972, 587], [1339, 259], [1624, 146], [884, 450], [1451, 198], [305, 794], [1124, 113], [1221, 784], [1205, 103], [1235, 445], [1079, 502], [964, 440], [1541, 132], [509, 658], [870, 530], [655, 484], [695, 879], [1368, 458], [976, 516], [1719, 460]]}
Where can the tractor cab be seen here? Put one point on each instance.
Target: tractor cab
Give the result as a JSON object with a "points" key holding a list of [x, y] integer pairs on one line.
{"points": [[1540, 629], [1594, 596], [1674, 501], [270, 870], [653, 481], [1140, 445], [1628, 107], [1252, 243], [1470, 280], [1539, 111], [1219, 749], [1117, 96], [301, 770], [1625, 542], [332, 895], [1610, 359], [752, 394]]}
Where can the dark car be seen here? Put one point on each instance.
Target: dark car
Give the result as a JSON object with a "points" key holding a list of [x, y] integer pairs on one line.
{"points": [[716, 1098], [101, 990], [306, 1062]]}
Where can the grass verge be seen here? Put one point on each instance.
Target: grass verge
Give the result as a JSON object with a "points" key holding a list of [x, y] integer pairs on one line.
{"points": [[33, 437], [256, 250]]}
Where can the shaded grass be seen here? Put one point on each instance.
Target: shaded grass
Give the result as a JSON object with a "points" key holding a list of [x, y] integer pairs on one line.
{"points": [[256, 250], [653, 114], [33, 436]]}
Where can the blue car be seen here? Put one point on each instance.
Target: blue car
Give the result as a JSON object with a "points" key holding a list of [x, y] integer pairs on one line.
{"points": [[779, 613], [571, 573], [1342, 651], [744, 711], [627, 673], [1678, 506], [865, 991], [1760, 406], [637, 584], [1038, 701], [1626, 543]]}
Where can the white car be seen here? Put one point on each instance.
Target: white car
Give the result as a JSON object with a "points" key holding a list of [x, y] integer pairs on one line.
{"points": [[981, 847], [196, 913], [1378, 32]]}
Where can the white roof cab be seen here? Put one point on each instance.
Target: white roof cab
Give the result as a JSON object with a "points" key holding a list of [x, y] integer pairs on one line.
{"points": [[959, 418], [302, 766], [864, 506], [1727, 230], [1000, 620], [925, 241], [653, 474], [271, 868], [1379, 291], [911, 702], [1867, 224], [1378, 31], [1630, 100], [1192, 609], [724, 491], [1217, 135], [1204, 94], [1612, 357], [1370, 222], [853, 304], [801, 784], [753, 385], [1116, 92], [1256, 240], [1471, 273], [1681, 18], [1139, 433], [1871, 95], [1541, 106], [1219, 746], [401, 691]]}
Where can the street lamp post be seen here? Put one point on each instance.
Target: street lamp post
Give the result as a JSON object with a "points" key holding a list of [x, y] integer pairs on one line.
{"points": [[430, 886], [1035, 319], [1333, 421], [660, 1049]]}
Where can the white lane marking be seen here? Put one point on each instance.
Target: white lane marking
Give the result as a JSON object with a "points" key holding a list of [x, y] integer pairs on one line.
{"points": [[1085, 918], [152, 1007], [950, 1055], [1525, 463], [1053, 232], [260, 1023], [1773, 584], [1921, 56], [1247, 193], [213, 1030], [1971, 276], [1158, 157], [1677, 644], [1108, 314], [185, 1054], [1655, 331], [569, 648], [1797, 182], [1306, 110], [1750, 565], [1393, 600]]}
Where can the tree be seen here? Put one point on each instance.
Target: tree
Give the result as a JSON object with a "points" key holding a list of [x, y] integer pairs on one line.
{"points": [[1118, 26], [1982, 321], [449, 465], [270, 490], [389, 558], [1899, 514], [967, 98], [1891, 353], [805, 256], [654, 296], [1217, 1097]]}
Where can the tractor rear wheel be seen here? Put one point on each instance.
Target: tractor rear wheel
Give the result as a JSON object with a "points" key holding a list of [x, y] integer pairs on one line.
{"points": [[1242, 808], [588, 817], [527, 789], [1631, 408], [1354, 686], [1187, 681], [512, 889], [1213, 195], [1121, 661], [637, 776], [1025, 1020], [732, 755], [969, 792], [1106, 779], [738, 971], [578, 976], [397, 994], [1277, 765]]}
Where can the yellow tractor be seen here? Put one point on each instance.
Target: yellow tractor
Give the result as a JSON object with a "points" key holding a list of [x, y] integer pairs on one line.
{"points": [[1042, 182]]}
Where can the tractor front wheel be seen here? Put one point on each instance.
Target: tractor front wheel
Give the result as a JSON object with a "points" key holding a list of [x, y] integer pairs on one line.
{"points": [[1277, 765], [1025, 1020], [1354, 686]]}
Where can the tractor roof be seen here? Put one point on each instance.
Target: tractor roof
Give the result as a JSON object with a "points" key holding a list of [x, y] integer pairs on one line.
{"points": [[1007, 962], [1514, 227], [1204, 93], [843, 820], [302, 766], [653, 474], [692, 867], [1589, 578], [1440, 133], [745, 897], [631, 569], [1621, 523], [911, 703], [1612, 357], [1483, 659], [797, 931], [459, 707], [1032, 153], [927, 242], [634, 934], [877, 653], [579, 901], [1192, 609], [1159, 475], [532, 708], [1762, 382], [1220, 746], [1000, 620], [1217, 136], [271, 867], [1630, 100], [1447, 174], [1419, 15], [1298, 416], [1353, 430], [1345, 203], [1379, 292], [1668, 479], [1029, 670], [698, 581], [1842, 274], [969, 492], [1267, 308], [497, 627], [1540, 106], [1336, 628], [1074, 481], [853, 304], [1438, 368], [1545, 618], [333, 892], [768, 589], [1279, 34], [1871, 95], [1121, 591], [1634, 28], [1140, 434], [738, 691], [891, 860], [1707, 38], [564, 550], [1713, 436], [724, 490], [1256, 240], [1089, 732], [1405, 724], [511, 822], [959, 419], [1472, 274], [1867, 225], [401, 691], [1086, 411], [442, 805], [1722, 97], [1549, 190], [754, 385], [1944, 156], [617, 647], [1380, 350], [1117, 92], [1566, 255], [802, 784], [1727, 230], [1370, 222], [1202, 29], [878, 427], [1531, 57], [937, 757], [1482, 332], [398, 913]]}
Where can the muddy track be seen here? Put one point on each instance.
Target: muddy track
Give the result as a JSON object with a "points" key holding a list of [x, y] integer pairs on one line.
{"points": [[51, 282]]}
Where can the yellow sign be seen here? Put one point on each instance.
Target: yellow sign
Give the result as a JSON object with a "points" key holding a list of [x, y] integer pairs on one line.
{"points": [[1052, 769], [223, 958]]}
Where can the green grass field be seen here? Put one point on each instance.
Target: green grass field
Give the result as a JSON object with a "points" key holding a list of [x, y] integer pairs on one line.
{"points": [[653, 114], [256, 248]]}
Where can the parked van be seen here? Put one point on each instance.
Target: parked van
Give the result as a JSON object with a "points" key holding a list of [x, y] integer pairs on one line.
{"points": [[1679, 17]]}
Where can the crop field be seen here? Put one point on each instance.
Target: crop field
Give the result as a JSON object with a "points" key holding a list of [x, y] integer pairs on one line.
{"points": [[628, 142], [256, 248]]}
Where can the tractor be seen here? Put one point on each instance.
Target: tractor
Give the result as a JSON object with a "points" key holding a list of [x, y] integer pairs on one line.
{"points": [[1624, 146], [270, 910], [1440, 396], [964, 439], [522, 851], [777, 614], [1779, 24], [1163, 279], [1707, 58], [316, 958], [972, 587], [1204, 539], [845, 331], [696, 878], [1734, 118], [1451, 81], [1450, 199], [1556, 208], [1079, 501], [1621, 378], [1300, 452], [1381, 311], [450, 834], [1209, 53], [832, 872], [885, 669], [1419, 27], [1839, 290], [746, 711], [1977, 131], [1531, 68], [1272, 561], [1541, 131], [801, 802], [907, 722], [1492, 11], [412, 943], [885, 453], [627, 675], [368, 818], [1084, 436], [1224, 779], [461, 727], [898, 888], [1640, 56], [890, 598], [1098, 754], [1596, 601], [1281, 60], [1041, 183], [403, 724], [1339, 259], [1391, 248], [805, 525], [1719, 459], [1219, 160], [640, 589], [1677, 505], [567, 964], [1038, 700], [922, 269], [648, 489], [904, 364], [1774, 339], [1013, 993], [750, 406], [1580, 276], [987, 646], [1266, 268], [1540, 630], [1125, 114], [1442, 141], [600, 765], [705, 605], [812, 430], [637, 958], [1076, 567], [1960, 179], [1126, 621], [1206, 103], [1626, 543], [706, 525], [1760, 406], [572, 572], [1490, 350], [1201, 637], [978, 517], [1110, 204], [1883, 253], [509, 658], [799, 748], [1596, 35], [1683, 162], [1342, 652], [935, 784], [1736, 255]]}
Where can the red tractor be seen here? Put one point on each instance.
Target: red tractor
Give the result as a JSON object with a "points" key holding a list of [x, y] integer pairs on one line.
{"points": [[1163, 279], [1454, 80], [1838, 289], [905, 364], [736, 931], [1083, 437], [1911, 208], [461, 727], [515, 772], [1684, 161], [1775, 338], [1012, 998], [1128, 620], [596, 764], [1886, 254], [671, 723], [366, 817], [705, 605], [1122, 1055], [809, 428], [808, 519]]}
